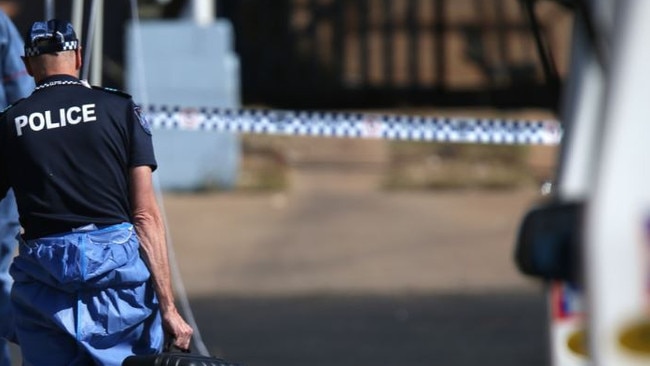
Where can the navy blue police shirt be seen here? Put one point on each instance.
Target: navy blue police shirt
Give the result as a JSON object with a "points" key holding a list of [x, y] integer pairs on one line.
{"points": [[66, 150]]}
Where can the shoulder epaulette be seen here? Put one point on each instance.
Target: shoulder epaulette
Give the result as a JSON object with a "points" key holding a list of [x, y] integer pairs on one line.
{"points": [[7, 108], [112, 91]]}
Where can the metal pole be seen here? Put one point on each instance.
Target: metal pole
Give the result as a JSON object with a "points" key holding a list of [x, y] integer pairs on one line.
{"points": [[49, 9], [77, 15], [98, 49], [203, 11]]}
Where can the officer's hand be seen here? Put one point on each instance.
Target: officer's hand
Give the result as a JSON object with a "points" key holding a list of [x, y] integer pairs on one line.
{"points": [[178, 329]]}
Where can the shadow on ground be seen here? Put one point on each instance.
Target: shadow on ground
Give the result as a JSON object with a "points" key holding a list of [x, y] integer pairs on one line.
{"points": [[506, 328]]}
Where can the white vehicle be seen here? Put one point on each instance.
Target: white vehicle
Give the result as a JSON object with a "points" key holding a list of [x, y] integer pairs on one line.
{"points": [[592, 241]]}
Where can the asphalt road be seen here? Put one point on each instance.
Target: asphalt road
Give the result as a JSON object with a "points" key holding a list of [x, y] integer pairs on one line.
{"points": [[497, 328]]}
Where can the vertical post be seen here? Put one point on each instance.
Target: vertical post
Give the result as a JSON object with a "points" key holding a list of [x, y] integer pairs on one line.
{"points": [[98, 40], [49, 9], [502, 33], [339, 31], [388, 42], [203, 11], [543, 51], [413, 24], [440, 43], [364, 36], [77, 15]]}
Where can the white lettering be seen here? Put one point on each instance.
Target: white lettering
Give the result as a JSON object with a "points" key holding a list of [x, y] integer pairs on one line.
{"points": [[89, 112], [62, 119], [48, 121], [32, 121], [21, 121], [72, 120], [38, 121]]}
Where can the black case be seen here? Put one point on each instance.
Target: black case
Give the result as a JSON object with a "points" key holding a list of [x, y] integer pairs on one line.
{"points": [[175, 359]]}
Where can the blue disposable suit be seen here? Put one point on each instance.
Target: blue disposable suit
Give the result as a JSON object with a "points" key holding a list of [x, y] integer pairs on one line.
{"points": [[85, 292]]}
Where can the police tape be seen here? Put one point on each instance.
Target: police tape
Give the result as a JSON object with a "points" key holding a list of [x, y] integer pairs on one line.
{"points": [[357, 125]]}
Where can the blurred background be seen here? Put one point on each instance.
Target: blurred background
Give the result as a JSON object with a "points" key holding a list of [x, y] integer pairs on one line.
{"points": [[314, 251]]}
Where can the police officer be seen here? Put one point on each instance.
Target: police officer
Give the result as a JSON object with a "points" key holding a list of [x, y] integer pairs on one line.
{"points": [[92, 279]]}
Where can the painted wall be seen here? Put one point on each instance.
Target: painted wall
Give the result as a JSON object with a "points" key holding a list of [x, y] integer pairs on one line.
{"points": [[179, 63]]}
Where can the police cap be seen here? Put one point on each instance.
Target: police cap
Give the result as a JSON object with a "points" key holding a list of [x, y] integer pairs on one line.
{"points": [[48, 37]]}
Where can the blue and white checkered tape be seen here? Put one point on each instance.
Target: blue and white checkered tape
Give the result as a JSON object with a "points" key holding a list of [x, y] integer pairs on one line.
{"points": [[357, 125]]}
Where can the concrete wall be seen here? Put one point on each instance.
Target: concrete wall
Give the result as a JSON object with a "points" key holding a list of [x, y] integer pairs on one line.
{"points": [[179, 63]]}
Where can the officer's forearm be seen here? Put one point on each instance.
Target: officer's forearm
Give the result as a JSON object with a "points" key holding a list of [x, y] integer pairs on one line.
{"points": [[151, 233], [150, 228]]}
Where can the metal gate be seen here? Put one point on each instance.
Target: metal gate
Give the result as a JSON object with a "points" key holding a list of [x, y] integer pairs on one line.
{"points": [[381, 53]]}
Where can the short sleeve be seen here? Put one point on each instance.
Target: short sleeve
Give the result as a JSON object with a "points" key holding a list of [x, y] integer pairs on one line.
{"points": [[142, 152]]}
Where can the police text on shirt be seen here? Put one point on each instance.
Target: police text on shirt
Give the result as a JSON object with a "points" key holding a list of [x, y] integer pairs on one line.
{"points": [[38, 121]]}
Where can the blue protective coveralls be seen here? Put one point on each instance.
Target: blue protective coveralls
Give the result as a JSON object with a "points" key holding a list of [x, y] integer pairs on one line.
{"points": [[85, 289], [16, 84]]}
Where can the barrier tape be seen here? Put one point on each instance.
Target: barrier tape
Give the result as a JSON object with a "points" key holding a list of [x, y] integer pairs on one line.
{"points": [[357, 125]]}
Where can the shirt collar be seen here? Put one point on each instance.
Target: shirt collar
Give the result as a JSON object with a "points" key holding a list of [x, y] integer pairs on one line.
{"points": [[59, 80], [61, 77]]}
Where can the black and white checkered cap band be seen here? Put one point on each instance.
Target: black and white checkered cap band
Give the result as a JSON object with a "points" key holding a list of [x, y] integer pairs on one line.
{"points": [[37, 50], [357, 125]]}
